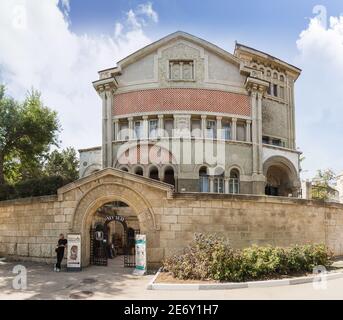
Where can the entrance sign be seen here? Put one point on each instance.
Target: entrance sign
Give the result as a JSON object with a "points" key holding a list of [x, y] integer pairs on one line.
{"points": [[115, 218], [74, 252], [140, 243]]}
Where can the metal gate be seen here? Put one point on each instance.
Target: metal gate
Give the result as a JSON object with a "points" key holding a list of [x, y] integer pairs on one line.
{"points": [[98, 256], [98, 250], [130, 249]]}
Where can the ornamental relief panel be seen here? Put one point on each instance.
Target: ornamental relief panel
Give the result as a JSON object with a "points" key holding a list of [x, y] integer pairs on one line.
{"points": [[181, 51]]}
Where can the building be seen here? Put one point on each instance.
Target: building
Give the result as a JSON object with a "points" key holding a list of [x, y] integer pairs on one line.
{"points": [[184, 111], [217, 127]]}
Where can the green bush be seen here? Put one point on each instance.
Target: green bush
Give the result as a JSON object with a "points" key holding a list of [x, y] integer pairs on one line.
{"points": [[32, 188], [211, 257]]}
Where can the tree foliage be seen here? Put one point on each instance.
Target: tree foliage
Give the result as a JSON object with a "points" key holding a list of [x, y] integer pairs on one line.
{"points": [[27, 131], [322, 186], [63, 163]]}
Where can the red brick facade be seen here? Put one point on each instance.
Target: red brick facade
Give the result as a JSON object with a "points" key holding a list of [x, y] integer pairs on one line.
{"points": [[171, 99]]}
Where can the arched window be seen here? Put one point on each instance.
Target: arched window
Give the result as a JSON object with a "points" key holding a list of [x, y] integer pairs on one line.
{"points": [[203, 180], [153, 173], [124, 169], [282, 78], [169, 176], [138, 171], [234, 181]]}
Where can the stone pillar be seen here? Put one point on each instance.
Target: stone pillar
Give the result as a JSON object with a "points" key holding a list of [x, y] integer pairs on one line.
{"points": [[259, 133], [248, 131], [219, 128], [160, 126], [254, 131], [131, 130], [104, 128], [145, 127], [226, 185], [109, 125], [234, 128], [211, 179], [203, 126]]}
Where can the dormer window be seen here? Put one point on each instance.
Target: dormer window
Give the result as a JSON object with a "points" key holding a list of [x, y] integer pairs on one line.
{"points": [[181, 70]]}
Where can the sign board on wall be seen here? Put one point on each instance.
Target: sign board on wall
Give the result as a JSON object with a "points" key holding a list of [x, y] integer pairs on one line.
{"points": [[140, 243], [74, 252]]}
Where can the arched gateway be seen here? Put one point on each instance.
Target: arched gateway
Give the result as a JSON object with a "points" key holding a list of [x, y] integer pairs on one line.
{"points": [[110, 185]]}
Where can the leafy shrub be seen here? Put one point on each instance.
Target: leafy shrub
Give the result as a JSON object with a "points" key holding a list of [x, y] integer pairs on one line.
{"points": [[32, 188], [211, 257]]}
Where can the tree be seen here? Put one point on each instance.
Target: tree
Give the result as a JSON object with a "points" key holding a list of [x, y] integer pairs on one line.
{"points": [[64, 164], [27, 131], [323, 184]]}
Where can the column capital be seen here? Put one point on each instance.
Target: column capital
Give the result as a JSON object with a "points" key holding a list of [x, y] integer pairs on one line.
{"points": [[234, 119], [130, 118], [116, 120], [160, 116], [219, 117], [203, 116], [248, 121], [145, 117]]}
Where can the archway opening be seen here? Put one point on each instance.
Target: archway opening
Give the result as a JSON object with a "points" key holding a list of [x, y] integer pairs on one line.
{"points": [[169, 176], [278, 181], [234, 181], [153, 173], [204, 185], [112, 235], [139, 171]]}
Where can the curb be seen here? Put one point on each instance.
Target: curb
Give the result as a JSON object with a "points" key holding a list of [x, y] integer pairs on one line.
{"points": [[238, 285]]}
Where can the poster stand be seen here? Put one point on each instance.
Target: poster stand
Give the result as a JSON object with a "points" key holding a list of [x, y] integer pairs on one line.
{"points": [[74, 252]]}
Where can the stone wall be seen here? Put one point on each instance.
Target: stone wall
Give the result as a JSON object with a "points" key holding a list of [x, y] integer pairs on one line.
{"points": [[29, 228]]}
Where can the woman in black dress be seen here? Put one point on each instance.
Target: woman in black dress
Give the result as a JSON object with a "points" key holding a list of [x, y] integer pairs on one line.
{"points": [[62, 243]]}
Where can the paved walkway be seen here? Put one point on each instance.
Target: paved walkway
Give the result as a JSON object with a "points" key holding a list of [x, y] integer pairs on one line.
{"points": [[116, 282]]}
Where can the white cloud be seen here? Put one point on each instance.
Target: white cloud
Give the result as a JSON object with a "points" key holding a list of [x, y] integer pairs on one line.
{"points": [[146, 9], [38, 49], [319, 95]]}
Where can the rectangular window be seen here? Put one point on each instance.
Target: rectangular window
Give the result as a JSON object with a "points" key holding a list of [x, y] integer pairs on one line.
{"points": [[265, 140], [282, 92], [276, 142], [240, 132], [218, 185], [138, 129], [226, 131], [182, 70], [153, 128], [168, 127], [124, 131], [204, 184], [196, 128], [211, 129], [275, 91]]}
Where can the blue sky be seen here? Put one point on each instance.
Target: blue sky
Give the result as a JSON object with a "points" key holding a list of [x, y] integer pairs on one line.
{"points": [[57, 46]]}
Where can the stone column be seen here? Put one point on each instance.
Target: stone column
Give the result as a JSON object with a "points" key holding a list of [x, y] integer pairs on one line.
{"points": [[234, 128], [160, 126], [254, 131], [131, 132], [247, 131], [211, 179], [226, 185], [203, 126], [109, 125], [102, 94], [219, 128], [145, 127], [259, 133]]}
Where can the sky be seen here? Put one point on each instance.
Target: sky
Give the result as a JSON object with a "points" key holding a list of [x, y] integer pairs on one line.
{"points": [[57, 47]]}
